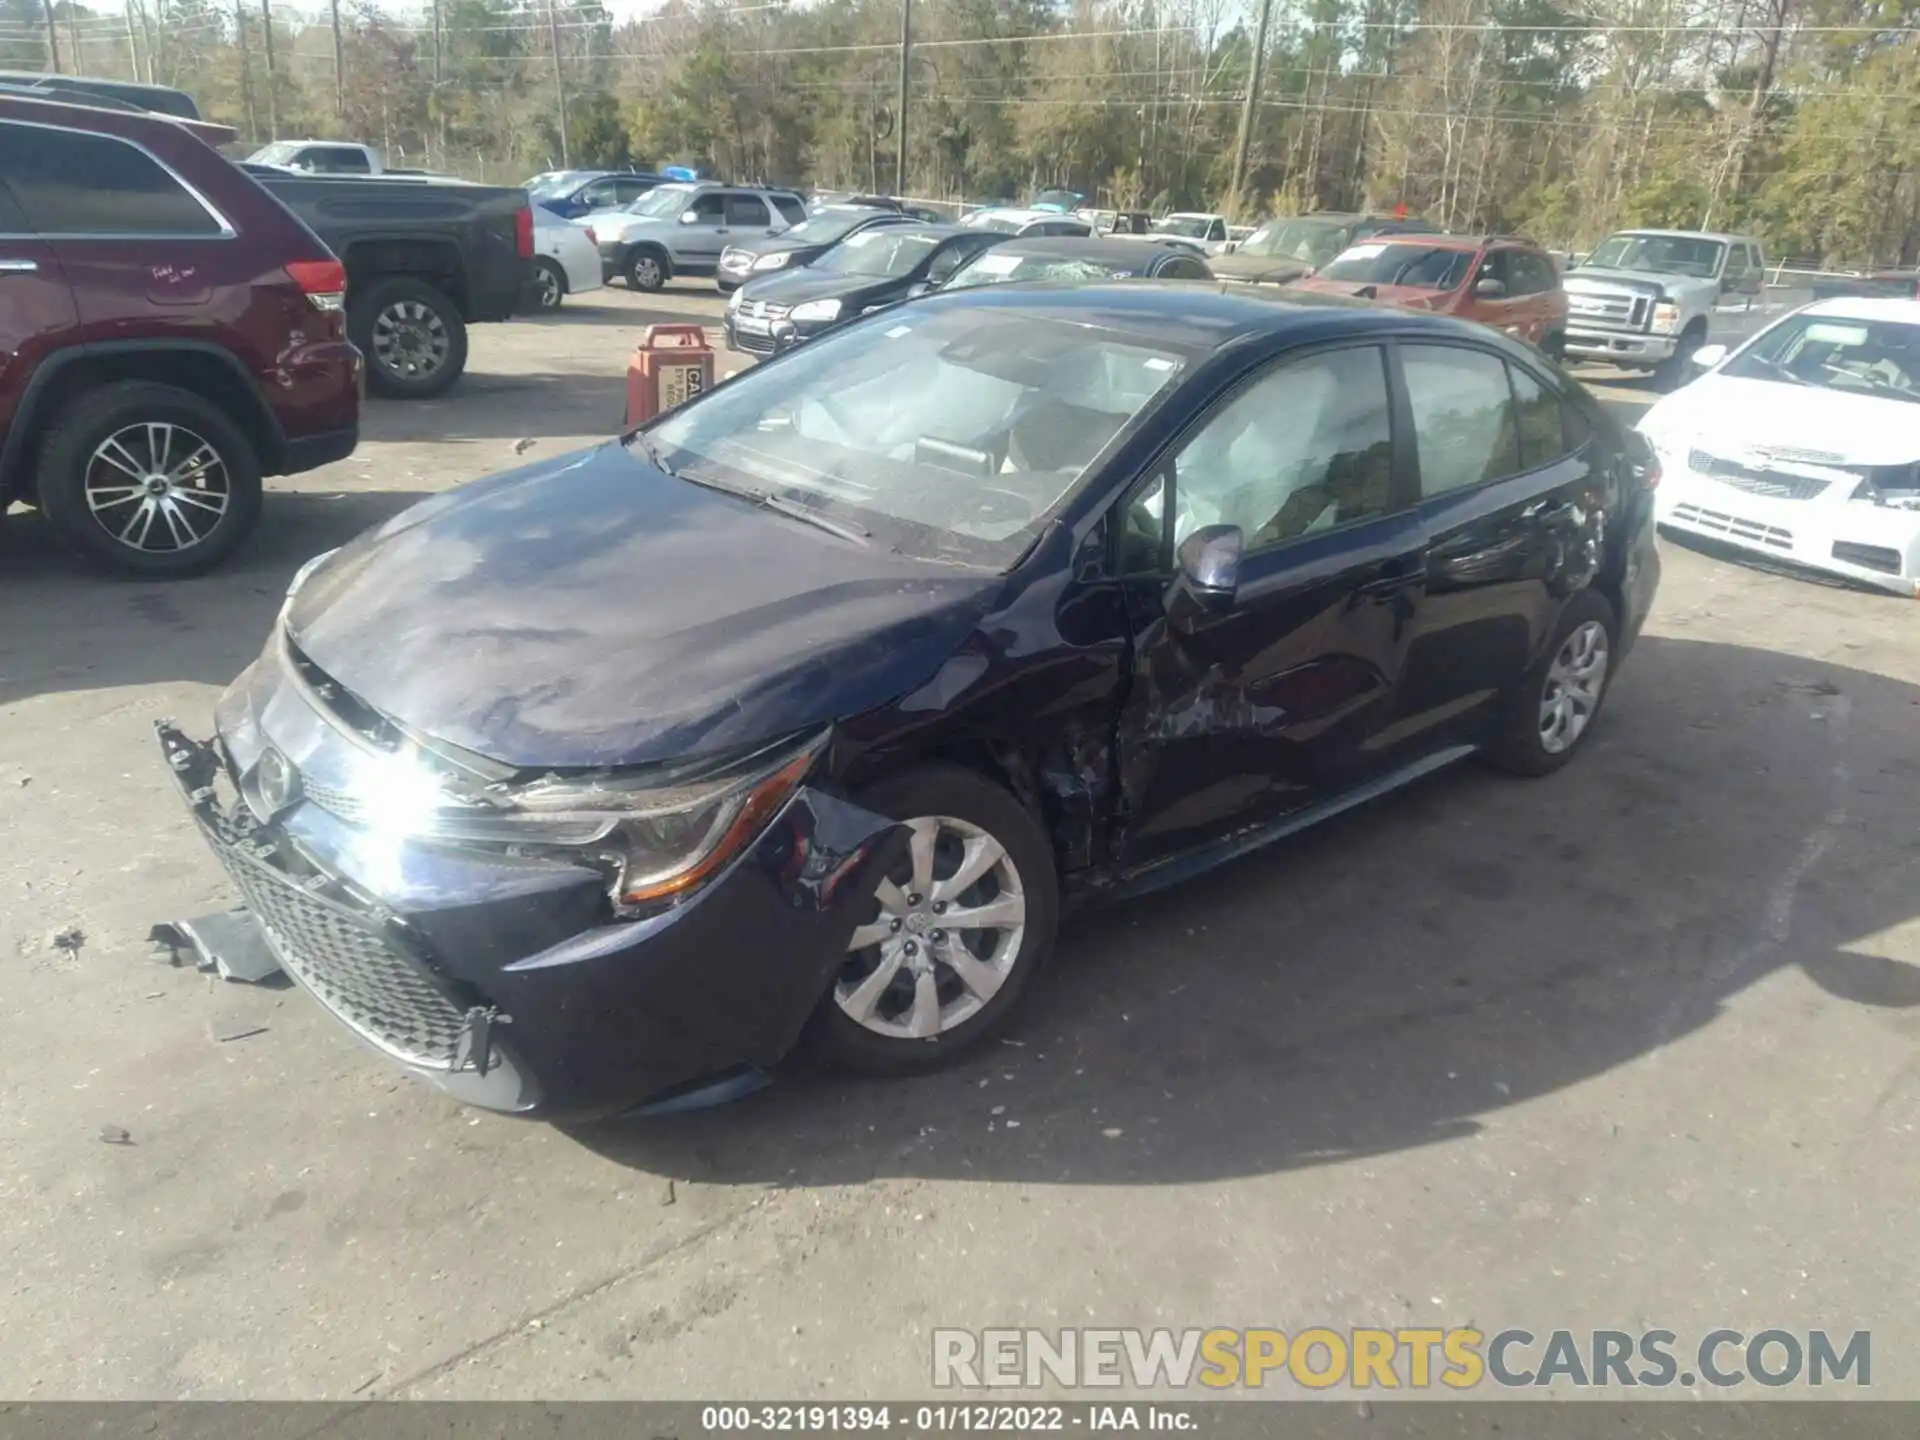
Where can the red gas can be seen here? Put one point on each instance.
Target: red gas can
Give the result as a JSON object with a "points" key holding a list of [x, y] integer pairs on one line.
{"points": [[673, 364]]}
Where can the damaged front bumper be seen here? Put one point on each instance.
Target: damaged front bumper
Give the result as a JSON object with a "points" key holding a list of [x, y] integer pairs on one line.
{"points": [[506, 981]]}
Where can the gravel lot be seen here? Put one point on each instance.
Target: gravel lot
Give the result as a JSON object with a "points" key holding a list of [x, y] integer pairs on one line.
{"points": [[1630, 1047]]}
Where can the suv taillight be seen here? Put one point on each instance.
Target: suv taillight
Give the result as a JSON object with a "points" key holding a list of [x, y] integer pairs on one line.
{"points": [[323, 282], [523, 232]]}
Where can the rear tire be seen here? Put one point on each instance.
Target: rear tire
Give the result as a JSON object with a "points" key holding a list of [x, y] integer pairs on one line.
{"points": [[1550, 713], [148, 479], [928, 985], [549, 285], [647, 270], [413, 337]]}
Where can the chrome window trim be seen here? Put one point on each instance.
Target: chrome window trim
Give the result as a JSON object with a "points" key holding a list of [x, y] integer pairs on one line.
{"points": [[225, 231]]}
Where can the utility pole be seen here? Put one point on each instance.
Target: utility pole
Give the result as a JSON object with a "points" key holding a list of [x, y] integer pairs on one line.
{"points": [[133, 45], [246, 71], [559, 83], [1247, 108], [73, 39], [436, 44], [900, 116], [339, 66], [273, 80], [53, 36]]}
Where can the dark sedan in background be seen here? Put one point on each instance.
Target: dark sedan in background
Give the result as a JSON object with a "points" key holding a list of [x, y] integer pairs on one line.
{"points": [[804, 710], [865, 272], [801, 245], [1069, 259]]}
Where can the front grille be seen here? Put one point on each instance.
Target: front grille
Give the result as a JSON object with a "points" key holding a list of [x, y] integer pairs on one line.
{"points": [[762, 310], [380, 992], [1872, 557], [753, 344], [1773, 484], [1610, 312], [348, 807], [1735, 525]]}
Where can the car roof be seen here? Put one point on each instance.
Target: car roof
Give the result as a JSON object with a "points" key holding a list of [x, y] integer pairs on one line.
{"points": [[928, 230], [44, 107], [1190, 316], [1019, 213], [1867, 307], [1683, 234], [1109, 248]]}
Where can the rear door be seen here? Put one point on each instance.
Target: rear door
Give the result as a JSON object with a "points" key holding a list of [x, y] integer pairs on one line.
{"points": [[1537, 283], [36, 306], [1511, 499], [1271, 705]]}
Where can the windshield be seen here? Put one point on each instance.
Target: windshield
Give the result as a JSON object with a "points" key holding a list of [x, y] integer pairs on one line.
{"points": [[952, 433], [1424, 267], [880, 252], [1194, 227], [666, 202], [1866, 357], [1659, 255], [994, 267], [1313, 242], [552, 183], [986, 220], [278, 153]]}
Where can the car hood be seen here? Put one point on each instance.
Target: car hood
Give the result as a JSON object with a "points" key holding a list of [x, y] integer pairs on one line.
{"points": [[768, 244], [793, 287], [594, 611], [1731, 417], [1236, 266], [1636, 281]]}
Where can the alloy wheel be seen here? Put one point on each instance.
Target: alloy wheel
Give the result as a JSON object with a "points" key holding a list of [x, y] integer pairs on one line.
{"points": [[157, 487], [946, 936], [549, 291], [410, 340], [645, 272], [1575, 681]]}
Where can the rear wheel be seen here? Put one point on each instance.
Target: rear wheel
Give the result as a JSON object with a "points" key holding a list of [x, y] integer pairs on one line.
{"points": [[952, 937], [549, 284], [413, 337], [148, 479], [646, 270], [1552, 710]]}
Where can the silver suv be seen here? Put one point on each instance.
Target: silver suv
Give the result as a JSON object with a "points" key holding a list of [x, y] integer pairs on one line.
{"points": [[681, 229]]}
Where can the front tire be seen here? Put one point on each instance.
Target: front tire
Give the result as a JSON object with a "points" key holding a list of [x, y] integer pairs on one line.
{"points": [[413, 337], [952, 937], [646, 270], [1551, 712], [1677, 368], [549, 285], [148, 479]]}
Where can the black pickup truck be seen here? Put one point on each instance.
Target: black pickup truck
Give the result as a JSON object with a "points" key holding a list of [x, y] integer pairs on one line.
{"points": [[425, 259]]}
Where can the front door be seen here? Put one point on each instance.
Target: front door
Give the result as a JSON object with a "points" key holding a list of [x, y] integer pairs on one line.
{"points": [[1268, 706]]}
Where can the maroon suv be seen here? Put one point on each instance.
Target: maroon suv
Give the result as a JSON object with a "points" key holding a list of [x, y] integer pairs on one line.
{"points": [[169, 334]]}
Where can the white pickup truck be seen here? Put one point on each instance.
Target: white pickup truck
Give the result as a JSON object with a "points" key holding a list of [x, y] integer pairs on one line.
{"points": [[324, 157], [1645, 298]]}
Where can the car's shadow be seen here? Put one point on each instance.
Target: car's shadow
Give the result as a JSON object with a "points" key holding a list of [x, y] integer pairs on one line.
{"points": [[108, 630], [1391, 978]]}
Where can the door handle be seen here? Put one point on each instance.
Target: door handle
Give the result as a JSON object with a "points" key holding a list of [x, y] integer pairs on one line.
{"points": [[18, 267], [1396, 579]]}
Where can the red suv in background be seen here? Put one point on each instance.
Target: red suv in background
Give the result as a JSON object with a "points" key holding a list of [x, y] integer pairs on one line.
{"points": [[1499, 280], [169, 334]]}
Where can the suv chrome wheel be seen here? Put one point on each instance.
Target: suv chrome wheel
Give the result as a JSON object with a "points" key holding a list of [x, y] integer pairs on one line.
{"points": [[1575, 681], [946, 939], [157, 487], [410, 340]]}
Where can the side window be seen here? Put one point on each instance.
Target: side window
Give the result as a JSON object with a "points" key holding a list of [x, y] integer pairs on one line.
{"points": [[1542, 277], [1543, 434], [625, 192], [1217, 230], [600, 193], [1462, 416], [951, 258], [1736, 262], [790, 208], [1496, 266], [345, 160], [1180, 267], [710, 208], [1305, 447], [747, 210], [71, 183]]}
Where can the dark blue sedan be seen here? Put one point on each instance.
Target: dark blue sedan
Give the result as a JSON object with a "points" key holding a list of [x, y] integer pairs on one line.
{"points": [[806, 710]]}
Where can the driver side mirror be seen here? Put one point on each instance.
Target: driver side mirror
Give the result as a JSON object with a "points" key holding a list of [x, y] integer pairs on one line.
{"points": [[1708, 356], [1490, 289], [919, 288], [689, 217], [1206, 575]]}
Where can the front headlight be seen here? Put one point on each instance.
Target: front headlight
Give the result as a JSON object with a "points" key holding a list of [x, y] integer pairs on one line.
{"points": [[1666, 317], [657, 836], [734, 299], [776, 261], [817, 310]]}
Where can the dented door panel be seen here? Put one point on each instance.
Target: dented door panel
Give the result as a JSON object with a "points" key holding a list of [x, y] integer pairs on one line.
{"points": [[1268, 707]]}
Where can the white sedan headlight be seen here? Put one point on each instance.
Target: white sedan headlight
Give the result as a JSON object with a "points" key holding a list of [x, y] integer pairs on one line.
{"points": [[777, 260], [817, 310]]}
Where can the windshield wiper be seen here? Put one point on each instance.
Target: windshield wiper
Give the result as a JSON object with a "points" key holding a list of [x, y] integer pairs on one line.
{"points": [[652, 452], [845, 529]]}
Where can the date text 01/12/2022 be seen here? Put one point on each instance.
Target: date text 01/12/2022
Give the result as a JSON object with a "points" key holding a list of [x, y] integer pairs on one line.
{"points": [[947, 1418]]}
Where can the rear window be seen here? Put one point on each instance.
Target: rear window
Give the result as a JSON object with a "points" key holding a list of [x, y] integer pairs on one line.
{"points": [[1379, 262], [72, 183]]}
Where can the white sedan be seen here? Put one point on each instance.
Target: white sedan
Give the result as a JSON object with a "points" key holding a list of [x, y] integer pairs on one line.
{"points": [[565, 259], [1804, 443]]}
